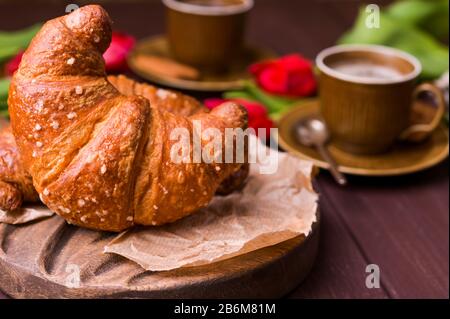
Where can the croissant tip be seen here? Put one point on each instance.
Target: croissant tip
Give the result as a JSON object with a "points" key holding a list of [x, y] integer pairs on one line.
{"points": [[233, 112], [93, 21], [95, 9]]}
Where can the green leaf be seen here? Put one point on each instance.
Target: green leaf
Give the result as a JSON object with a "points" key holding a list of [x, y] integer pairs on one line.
{"points": [[394, 33], [431, 16], [19, 38], [4, 87], [4, 114], [8, 52], [276, 105], [273, 103], [13, 41], [239, 95]]}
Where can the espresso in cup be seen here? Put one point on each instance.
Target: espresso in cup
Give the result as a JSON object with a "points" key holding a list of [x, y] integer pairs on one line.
{"points": [[366, 96], [213, 3], [364, 69], [207, 34]]}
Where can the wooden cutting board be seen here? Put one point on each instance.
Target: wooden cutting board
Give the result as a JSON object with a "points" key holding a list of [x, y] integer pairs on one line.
{"points": [[42, 259]]}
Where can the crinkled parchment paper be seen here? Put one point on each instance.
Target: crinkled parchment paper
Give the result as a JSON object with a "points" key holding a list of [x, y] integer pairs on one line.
{"points": [[270, 209], [25, 214]]}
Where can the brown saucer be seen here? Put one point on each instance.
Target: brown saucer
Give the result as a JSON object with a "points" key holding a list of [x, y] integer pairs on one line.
{"points": [[403, 158], [231, 80]]}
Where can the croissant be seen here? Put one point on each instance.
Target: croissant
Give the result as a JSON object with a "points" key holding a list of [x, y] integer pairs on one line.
{"points": [[98, 158], [162, 99], [16, 185], [176, 103]]}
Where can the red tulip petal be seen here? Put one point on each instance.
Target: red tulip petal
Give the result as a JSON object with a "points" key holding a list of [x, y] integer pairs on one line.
{"points": [[274, 80], [301, 83], [116, 55], [290, 75], [13, 64], [295, 62], [258, 67], [262, 122]]}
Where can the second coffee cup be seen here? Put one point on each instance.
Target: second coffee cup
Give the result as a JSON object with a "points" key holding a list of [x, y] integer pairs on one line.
{"points": [[207, 34], [366, 97]]}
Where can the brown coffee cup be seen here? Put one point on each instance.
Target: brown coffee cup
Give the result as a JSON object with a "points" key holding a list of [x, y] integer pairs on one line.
{"points": [[366, 97], [207, 34]]}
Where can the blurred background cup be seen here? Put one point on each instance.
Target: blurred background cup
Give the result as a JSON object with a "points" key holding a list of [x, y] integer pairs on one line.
{"points": [[207, 34], [367, 94]]}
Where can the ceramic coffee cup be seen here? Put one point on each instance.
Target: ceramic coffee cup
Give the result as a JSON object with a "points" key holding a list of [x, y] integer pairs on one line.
{"points": [[207, 34], [366, 96]]}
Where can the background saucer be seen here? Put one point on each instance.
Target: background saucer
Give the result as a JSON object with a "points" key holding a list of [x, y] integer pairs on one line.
{"points": [[231, 80]]}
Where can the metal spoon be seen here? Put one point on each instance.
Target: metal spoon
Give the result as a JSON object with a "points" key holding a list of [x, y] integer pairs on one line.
{"points": [[313, 132]]}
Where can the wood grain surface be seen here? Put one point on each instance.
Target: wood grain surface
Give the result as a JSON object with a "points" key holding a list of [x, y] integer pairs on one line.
{"points": [[46, 259], [400, 223]]}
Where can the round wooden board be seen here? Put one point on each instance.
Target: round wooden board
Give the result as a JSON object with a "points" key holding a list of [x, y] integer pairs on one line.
{"points": [[35, 256]]}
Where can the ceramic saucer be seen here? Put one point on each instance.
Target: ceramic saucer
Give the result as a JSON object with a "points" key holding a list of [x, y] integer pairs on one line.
{"points": [[230, 80], [402, 158]]}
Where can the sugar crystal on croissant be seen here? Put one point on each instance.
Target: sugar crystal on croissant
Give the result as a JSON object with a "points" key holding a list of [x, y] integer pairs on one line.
{"points": [[106, 164]]}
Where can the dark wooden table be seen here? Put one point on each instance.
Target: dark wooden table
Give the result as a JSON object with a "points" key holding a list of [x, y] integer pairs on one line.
{"points": [[401, 224]]}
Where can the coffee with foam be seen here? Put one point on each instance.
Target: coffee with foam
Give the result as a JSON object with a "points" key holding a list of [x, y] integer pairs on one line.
{"points": [[367, 70], [214, 3]]}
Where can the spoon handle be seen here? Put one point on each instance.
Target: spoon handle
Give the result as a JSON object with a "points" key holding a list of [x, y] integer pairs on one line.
{"points": [[338, 176]]}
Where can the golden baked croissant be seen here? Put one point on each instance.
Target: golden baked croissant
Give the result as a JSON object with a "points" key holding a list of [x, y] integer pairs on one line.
{"points": [[98, 158], [180, 104], [16, 185], [163, 99]]}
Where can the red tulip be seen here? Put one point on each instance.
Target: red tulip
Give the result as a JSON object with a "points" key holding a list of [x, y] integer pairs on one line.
{"points": [[257, 113], [13, 64], [291, 75], [116, 55]]}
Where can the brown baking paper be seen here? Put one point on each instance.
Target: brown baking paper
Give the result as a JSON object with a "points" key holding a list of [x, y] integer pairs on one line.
{"points": [[270, 209], [25, 214]]}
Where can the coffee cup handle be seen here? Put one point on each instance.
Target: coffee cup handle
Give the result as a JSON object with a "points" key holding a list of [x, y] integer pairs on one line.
{"points": [[418, 132]]}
